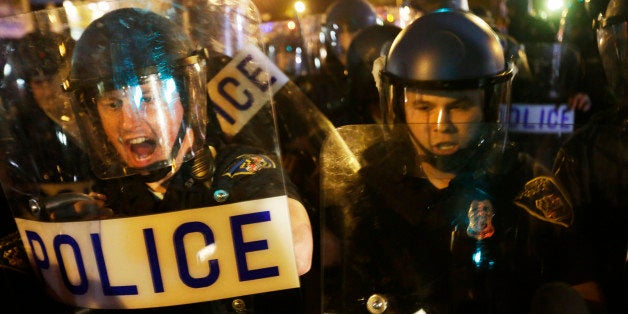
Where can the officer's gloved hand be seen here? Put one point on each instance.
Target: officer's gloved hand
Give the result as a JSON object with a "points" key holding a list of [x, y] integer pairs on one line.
{"points": [[72, 206]]}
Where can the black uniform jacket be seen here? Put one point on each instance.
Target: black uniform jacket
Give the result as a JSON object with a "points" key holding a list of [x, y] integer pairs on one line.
{"points": [[467, 248]]}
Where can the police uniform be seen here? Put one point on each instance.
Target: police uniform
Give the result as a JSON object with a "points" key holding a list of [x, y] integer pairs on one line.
{"points": [[242, 173], [592, 165], [463, 249]]}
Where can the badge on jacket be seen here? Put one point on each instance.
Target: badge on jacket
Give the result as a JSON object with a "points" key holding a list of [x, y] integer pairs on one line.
{"points": [[480, 219]]}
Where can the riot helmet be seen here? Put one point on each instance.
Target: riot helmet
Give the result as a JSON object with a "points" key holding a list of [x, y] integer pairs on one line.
{"points": [[43, 63], [612, 42], [343, 18], [138, 89], [368, 45], [454, 54]]}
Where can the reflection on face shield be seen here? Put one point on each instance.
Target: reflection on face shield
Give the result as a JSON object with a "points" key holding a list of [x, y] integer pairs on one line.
{"points": [[142, 121], [443, 122]]}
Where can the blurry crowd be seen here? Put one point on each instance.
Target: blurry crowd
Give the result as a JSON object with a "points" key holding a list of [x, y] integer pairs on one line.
{"points": [[456, 156]]}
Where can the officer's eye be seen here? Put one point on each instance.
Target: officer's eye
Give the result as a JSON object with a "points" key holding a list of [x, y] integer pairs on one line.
{"points": [[463, 104], [422, 105], [146, 99], [110, 103]]}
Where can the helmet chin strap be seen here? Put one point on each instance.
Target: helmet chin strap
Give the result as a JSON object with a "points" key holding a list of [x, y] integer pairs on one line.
{"points": [[179, 149]]}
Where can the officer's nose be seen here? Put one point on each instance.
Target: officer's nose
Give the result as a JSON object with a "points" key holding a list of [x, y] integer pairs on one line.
{"points": [[131, 116], [442, 121]]}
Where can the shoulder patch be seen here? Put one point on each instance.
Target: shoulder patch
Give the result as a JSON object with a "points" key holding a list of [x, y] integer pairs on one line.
{"points": [[544, 199], [248, 164]]}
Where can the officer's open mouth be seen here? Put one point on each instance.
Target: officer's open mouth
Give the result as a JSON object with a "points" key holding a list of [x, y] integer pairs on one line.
{"points": [[445, 148], [142, 146]]}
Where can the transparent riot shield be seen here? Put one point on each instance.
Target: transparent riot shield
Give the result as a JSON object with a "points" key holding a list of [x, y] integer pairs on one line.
{"points": [[300, 125], [222, 26], [540, 116], [403, 233], [121, 197]]}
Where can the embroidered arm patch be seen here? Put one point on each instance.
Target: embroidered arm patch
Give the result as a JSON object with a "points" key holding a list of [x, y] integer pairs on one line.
{"points": [[248, 164], [543, 198]]}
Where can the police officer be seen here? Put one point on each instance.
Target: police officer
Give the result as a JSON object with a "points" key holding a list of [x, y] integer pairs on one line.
{"points": [[35, 108], [343, 20], [363, 96], [326, 85], [36, 116], [443, 217], [592, 164], [575, 29], [137, 86]]}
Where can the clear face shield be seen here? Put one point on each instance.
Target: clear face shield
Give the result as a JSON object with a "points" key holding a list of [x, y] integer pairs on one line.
{"points": [[157, 121], [612, 39], [449, 128], [449, 120], [444, 122]]}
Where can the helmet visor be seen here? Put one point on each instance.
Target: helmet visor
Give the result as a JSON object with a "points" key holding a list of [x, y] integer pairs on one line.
{"points": [[494, 102], [152, 122], [445, 125]]}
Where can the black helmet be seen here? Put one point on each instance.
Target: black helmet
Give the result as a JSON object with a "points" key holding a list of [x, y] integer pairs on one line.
{"points": [[447, 51], [116, 46], [124, 51], [368, 45], [612, 34], [353, 15], [343, 18]]}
